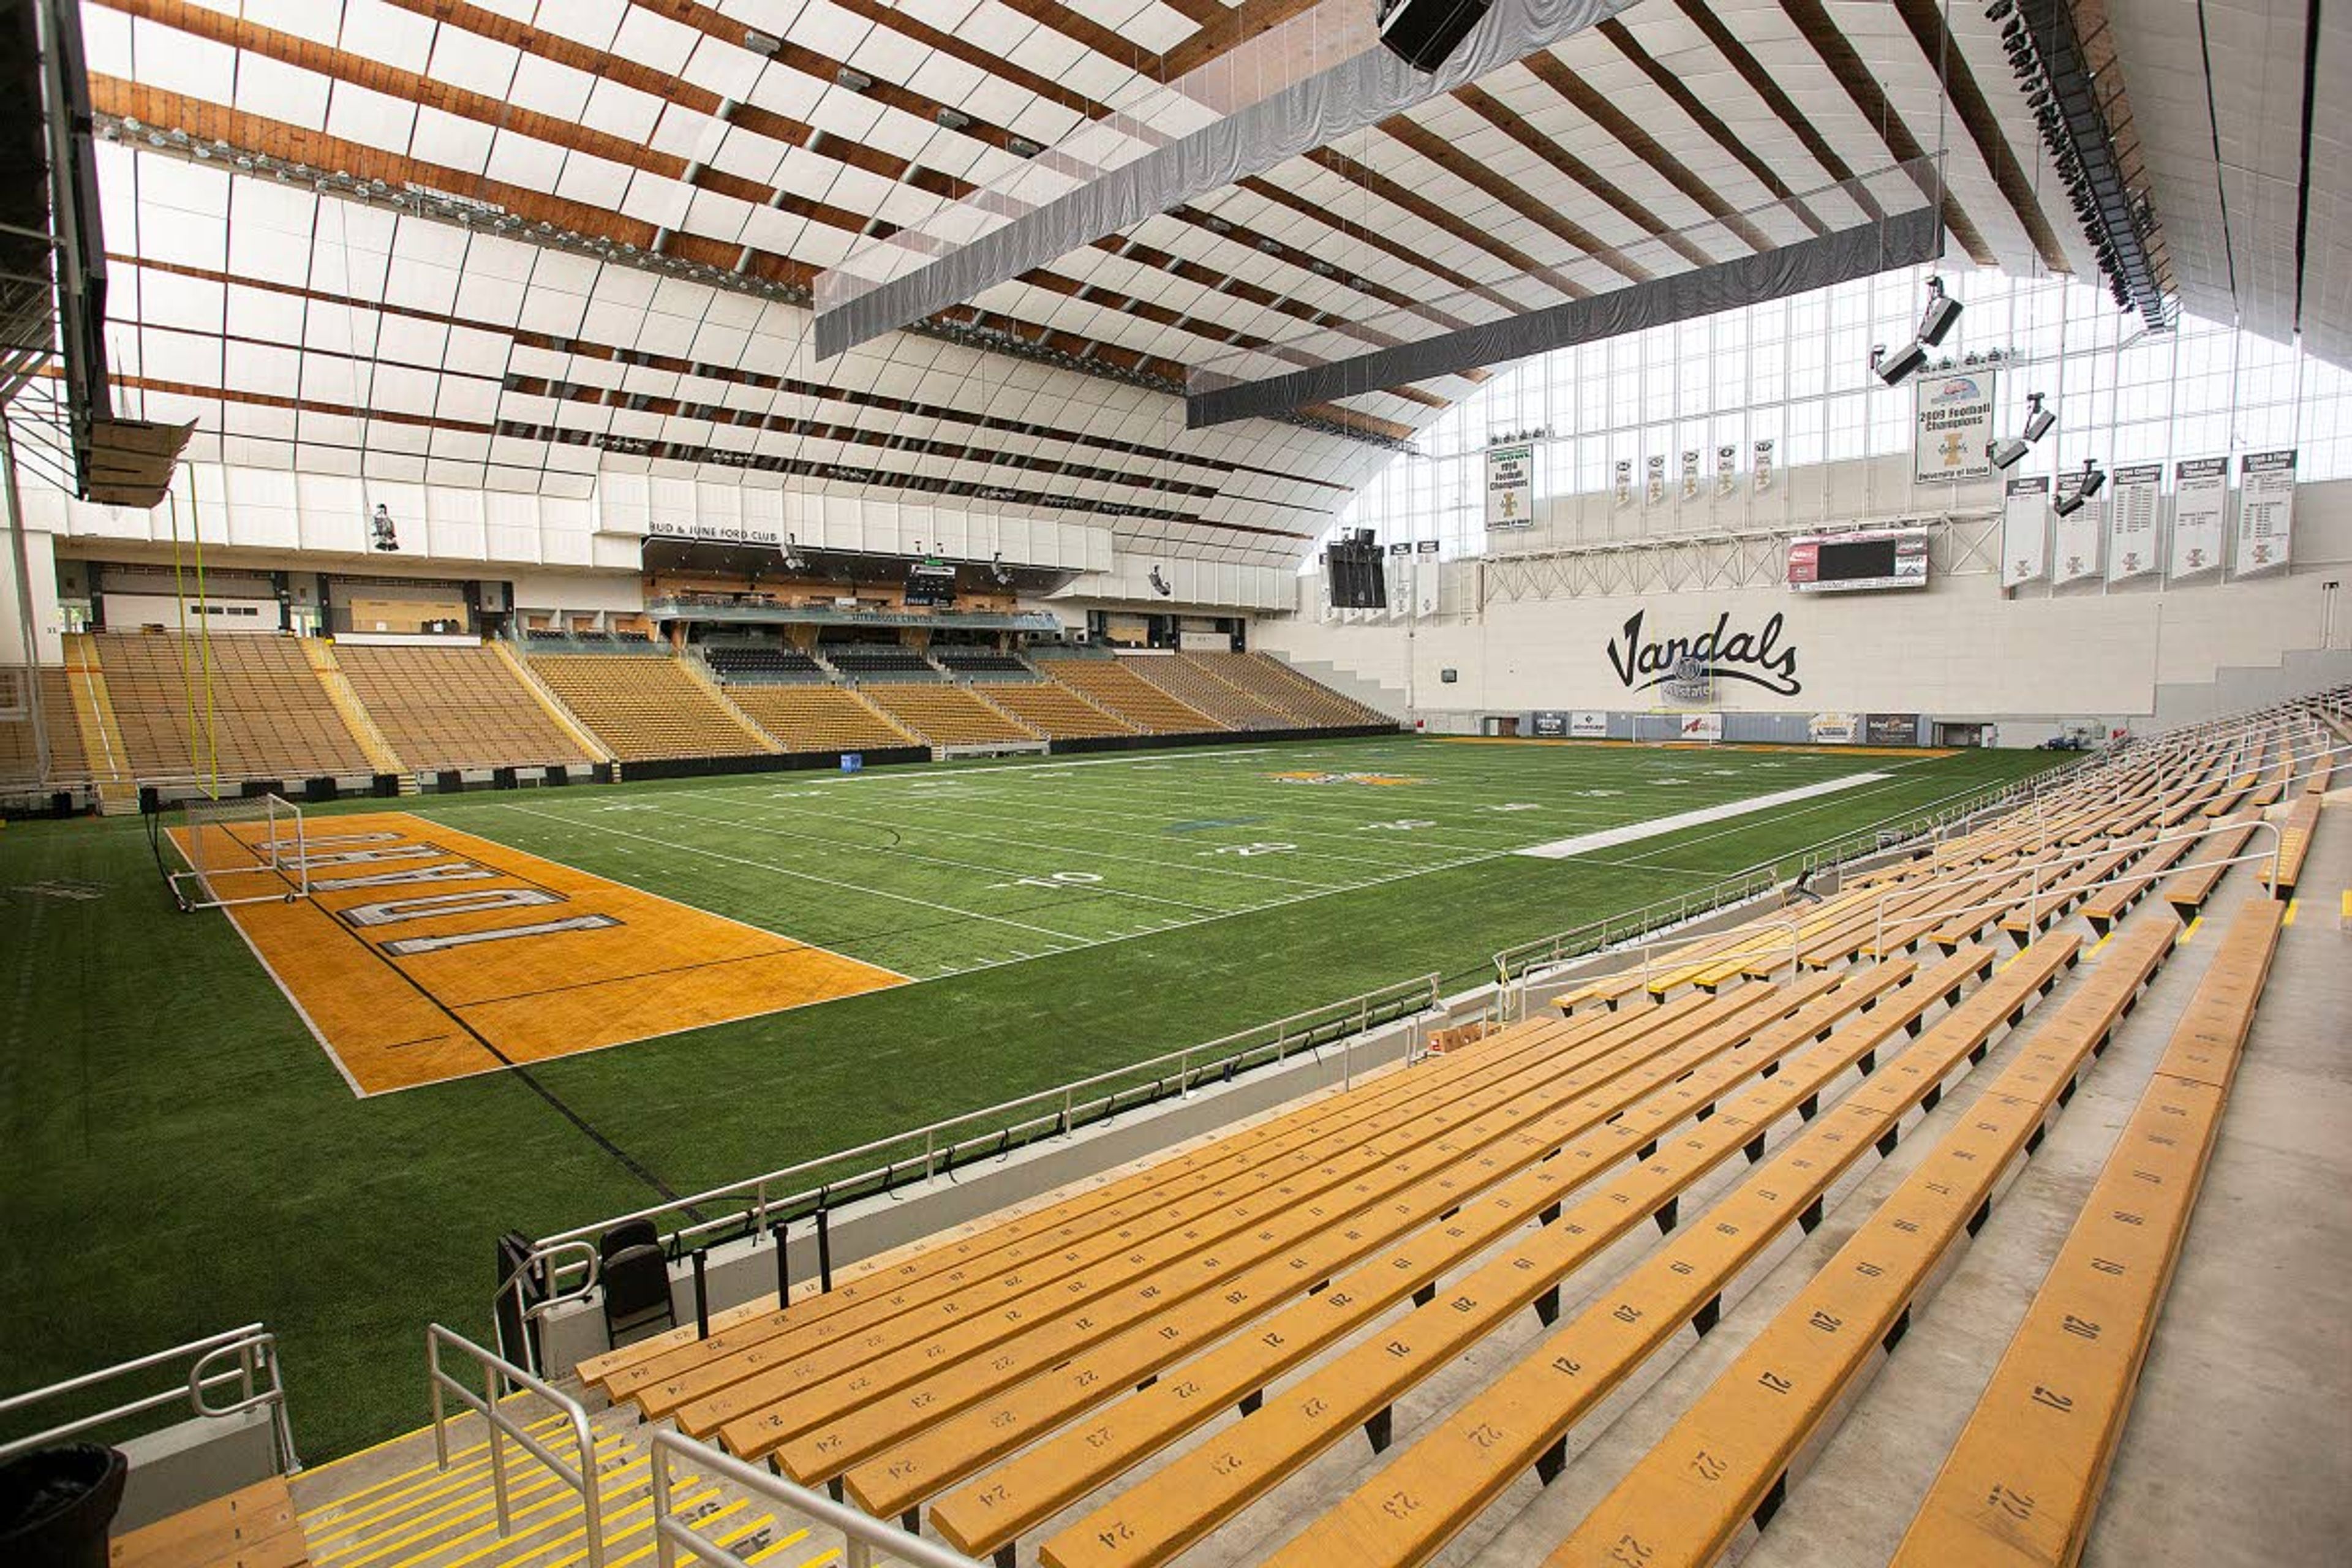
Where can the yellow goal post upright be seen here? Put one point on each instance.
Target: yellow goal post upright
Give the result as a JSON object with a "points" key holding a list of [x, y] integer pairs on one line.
{"points": [[249, 851]]}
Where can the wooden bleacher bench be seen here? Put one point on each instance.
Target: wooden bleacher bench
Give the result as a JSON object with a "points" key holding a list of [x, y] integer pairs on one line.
{"points": [[253, 1528], [1420, 1499], [980, 1302], [1727, 1461], [2107, 906], [2295, 845], [2187, 891], [947, 1268], [999, 1326], [2023, 1482], [1674, 1090]]}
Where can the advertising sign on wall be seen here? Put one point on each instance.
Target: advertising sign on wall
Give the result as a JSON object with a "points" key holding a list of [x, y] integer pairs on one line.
{"points": [[1510, 486], [2201, 496], [1954, 426], [1586, 724], [1549, 724], [1891, 728], [2265, 513], [1701, 727], [1834, 729], [2025, 531], [2131, 522]]}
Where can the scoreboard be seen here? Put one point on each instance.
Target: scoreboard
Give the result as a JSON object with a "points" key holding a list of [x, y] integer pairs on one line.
{"points": [[1849, 562]]}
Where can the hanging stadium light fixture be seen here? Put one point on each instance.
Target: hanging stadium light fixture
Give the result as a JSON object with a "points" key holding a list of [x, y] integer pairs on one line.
{"points": [[1935, 322], [2038, 422], [2006, 453], [2092, 481], [1900, 366]]}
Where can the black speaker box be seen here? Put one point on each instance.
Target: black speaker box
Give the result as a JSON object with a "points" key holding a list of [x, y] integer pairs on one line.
{"points": [[1425, 33]]}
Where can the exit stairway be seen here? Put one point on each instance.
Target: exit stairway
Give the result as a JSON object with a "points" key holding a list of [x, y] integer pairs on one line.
{"points": [[395, 1507]]}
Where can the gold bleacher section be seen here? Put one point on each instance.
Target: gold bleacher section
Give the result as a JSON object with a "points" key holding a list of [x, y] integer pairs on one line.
{"points": [[1112, 686], [944, 715], [1275, 683], [271, 718], [453, 708], [1196, 687], [19, 755], [1054, 712], [645, 709], [813, 718]]}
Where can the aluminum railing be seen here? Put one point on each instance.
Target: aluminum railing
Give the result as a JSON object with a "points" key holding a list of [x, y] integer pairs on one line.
{"points": [[866, 1536], [254, 1352], [565, 1266], [579, 1477]]}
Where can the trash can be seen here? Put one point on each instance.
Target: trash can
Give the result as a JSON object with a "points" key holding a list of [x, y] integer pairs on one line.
{"points": [[56, 1505]]}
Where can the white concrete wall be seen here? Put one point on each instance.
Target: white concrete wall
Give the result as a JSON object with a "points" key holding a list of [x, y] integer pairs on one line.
{"points": [[1959, 648]]}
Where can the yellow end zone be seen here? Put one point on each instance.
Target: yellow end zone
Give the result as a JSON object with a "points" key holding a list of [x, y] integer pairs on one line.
{"points": [[425, 953]]}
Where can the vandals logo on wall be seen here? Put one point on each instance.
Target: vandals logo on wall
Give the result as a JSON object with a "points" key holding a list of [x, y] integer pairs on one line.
{"points": [[1756, 658], [1316, 778]]}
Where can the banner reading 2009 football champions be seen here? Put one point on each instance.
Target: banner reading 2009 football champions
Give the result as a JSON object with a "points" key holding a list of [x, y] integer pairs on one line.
{"points": [[1954, 426], [1510, 486]]}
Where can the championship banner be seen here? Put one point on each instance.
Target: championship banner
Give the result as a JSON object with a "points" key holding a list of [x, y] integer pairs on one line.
{"points": [[1725, 473], [2076, 536], [1510, 486], [2025, 531], [2265, 513], [1623, 483], [2201, 497], [1834, 729], [1654, 490], [1428, 572], [1586, 724], [1953, 433], [1763, 466], [1690, 476], [2131, 521]]}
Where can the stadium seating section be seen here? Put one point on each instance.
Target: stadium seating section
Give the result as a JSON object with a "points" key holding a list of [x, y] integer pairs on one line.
{"points": [[1054, 712], [19, 755], [868, 660], [818, 718], [259, 710], [1275, 684], [1111, 684], [945, 715], [1193, 685], [1056, 1383], [454, 708], [979, 661], [645, 708], [733, 662]]}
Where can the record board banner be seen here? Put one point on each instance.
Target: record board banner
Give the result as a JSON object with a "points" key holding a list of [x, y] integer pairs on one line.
{"points": [[2025, 531], [2265, 513], [2074, 555], [2131, 521], [1510, 486], [1834, 729], [2200, 499], [1891, 728], [1549, 724], [1586, 724], [1954, 426]]}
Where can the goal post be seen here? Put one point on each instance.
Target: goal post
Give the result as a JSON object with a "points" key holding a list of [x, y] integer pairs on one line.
{"points": [[245, 851]]}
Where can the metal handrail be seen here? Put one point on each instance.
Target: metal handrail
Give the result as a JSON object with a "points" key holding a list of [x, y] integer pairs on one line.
{"points": [[255, 1375], [568, 1260], [865, 1534], [580, 1479], [2032, 904]]}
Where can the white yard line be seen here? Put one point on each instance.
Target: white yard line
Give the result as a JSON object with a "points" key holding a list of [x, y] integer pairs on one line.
{"points": [[1633, 832]]}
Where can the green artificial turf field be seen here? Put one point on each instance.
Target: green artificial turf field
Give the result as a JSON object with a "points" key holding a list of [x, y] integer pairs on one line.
{"points": [[181, 1157]]}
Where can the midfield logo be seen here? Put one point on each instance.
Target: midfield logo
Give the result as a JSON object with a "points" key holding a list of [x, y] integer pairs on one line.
{"points": [[1722, 654]]}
